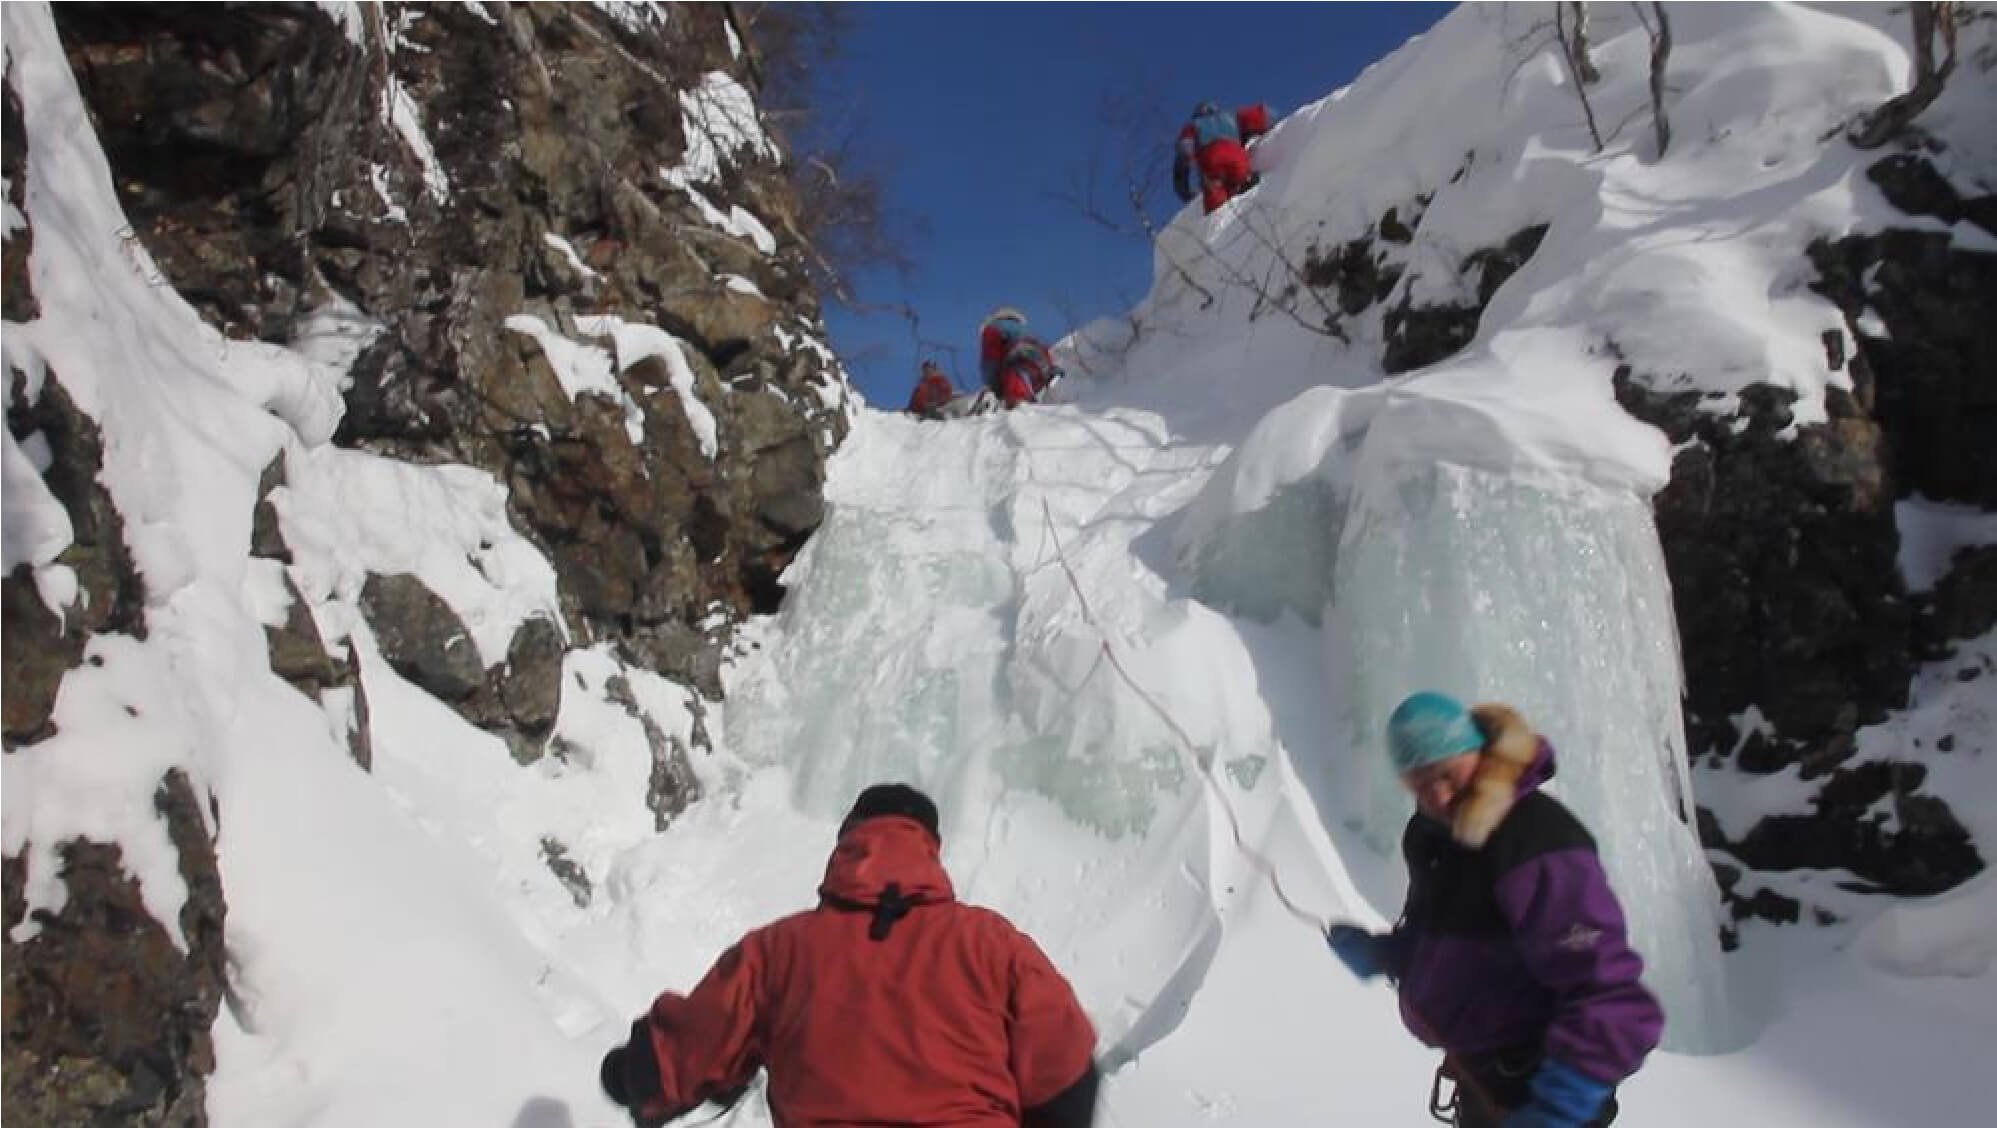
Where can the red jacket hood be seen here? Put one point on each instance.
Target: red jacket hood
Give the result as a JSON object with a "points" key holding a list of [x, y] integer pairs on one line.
{"points": [[890, 850]]}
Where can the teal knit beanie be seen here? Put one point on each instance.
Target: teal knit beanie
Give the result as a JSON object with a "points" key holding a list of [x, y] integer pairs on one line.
{"points": [[1428, 728]]}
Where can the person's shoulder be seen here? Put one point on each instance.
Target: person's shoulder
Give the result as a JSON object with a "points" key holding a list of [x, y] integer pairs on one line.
{"points": [[992, 927], [1537, 825], [781, 930], [982, 918]]}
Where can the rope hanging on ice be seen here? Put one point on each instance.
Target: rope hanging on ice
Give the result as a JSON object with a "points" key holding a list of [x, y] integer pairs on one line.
{"points": [[1255, 857]]}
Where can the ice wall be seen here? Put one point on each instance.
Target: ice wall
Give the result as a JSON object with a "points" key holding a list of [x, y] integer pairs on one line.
{"points": [[917, 647], [892, 647]]}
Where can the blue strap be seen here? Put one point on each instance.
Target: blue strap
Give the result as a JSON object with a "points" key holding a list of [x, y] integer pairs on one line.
{"points": [[1562, 1097]]}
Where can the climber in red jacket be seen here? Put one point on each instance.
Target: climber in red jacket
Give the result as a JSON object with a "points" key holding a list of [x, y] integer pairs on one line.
{"points": [[890, 1003], [933, 392], [1212, 144], [1016, 366]]}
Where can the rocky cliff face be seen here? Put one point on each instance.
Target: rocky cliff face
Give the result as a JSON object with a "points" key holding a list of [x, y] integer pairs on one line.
{"points": [[1783, 546], [266, 161], [448, 200]]}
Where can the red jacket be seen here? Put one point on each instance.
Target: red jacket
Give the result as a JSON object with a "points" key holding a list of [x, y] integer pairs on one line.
{"points": [[995, 341], [931, 392], [953, 1017], [1016, 366]]}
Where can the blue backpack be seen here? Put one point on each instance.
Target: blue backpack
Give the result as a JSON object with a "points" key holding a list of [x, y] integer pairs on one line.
{"points": [[1211, 124]]}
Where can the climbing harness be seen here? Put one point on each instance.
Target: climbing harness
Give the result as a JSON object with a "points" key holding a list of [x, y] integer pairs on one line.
{"points": [[1443, 1108], [1469, 1091]]}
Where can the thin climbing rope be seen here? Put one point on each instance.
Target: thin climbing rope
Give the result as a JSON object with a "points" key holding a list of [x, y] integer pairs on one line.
{"points": [[1255, 857]]}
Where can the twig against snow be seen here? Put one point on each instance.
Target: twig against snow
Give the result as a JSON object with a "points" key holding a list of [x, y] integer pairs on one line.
{"points": [[750, 56], [1660, 54], [1266, 236], [1574, 72], [576, 20], [1586, 63], [1521, 48], [1151, 233], [1874, 129]]}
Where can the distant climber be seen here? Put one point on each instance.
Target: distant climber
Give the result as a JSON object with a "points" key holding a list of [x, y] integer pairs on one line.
{"points": [[933, 393], [890, 1003], [1511, 955], [1016, 366], [1212, 146]]}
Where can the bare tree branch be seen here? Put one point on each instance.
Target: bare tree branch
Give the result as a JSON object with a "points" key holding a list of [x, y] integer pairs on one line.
{"points": [[1874, 129], [1574, 72], [1265, 235], [1521, 49], [1584, 62], [1660, 55], [1151, 234], [842, 216], [751, 57]]}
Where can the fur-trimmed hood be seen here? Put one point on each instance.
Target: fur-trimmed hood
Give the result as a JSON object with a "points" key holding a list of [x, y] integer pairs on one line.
{"points": [[1515, 761]]}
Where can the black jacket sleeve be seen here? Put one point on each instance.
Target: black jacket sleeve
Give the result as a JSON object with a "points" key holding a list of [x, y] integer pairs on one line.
{"points": [[629, 1075], [1185, 170], [1073, 1107]]}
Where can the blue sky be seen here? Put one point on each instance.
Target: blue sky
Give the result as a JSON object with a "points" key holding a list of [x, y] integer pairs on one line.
{"points": [[982, 116]]}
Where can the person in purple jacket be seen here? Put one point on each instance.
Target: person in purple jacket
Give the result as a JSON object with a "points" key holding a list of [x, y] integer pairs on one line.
{"points": [[1511, 955]]}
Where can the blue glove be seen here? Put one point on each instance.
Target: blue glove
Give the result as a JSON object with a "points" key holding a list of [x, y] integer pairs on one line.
{"points": [[1360, 950], [1562, 1097]]}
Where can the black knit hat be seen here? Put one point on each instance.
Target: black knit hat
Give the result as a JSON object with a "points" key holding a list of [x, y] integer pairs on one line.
{"points": [[892, 799]]}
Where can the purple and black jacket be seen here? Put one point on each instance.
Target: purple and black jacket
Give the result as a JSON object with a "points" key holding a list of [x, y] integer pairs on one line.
{"points": [[1521, 943]]}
